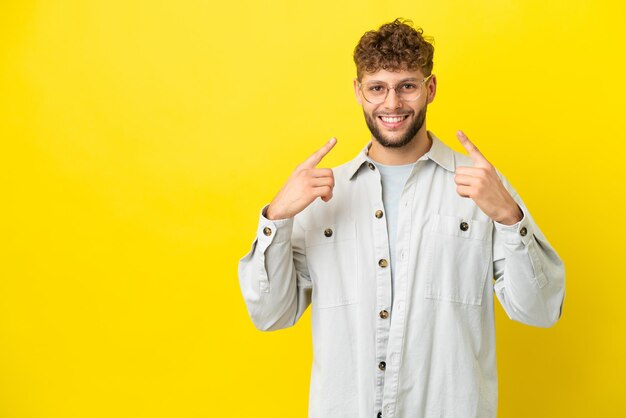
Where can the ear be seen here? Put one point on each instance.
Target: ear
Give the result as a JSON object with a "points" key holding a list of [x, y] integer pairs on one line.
{"points": [[432, 88], [357, 91]]}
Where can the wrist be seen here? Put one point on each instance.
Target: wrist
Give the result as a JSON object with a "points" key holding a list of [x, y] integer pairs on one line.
{"points": [[272, 215], [512, 217]]}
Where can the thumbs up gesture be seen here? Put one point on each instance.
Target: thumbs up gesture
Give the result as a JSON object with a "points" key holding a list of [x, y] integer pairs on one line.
{"points": [[305, 184], [482, 184]]}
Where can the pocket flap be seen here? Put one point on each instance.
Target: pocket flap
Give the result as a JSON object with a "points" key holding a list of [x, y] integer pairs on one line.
{"points": [[462, 227], [326, 234]]}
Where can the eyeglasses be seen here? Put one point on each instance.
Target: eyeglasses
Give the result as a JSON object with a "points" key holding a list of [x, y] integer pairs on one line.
{"points": [[407, 91]]}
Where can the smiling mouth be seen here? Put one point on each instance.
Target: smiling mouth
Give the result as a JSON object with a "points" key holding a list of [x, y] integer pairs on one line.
{"points": [[393, 121]]}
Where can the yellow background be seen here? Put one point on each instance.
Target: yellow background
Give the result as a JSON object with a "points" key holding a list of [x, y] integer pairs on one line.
{"points": [[139, 140]]}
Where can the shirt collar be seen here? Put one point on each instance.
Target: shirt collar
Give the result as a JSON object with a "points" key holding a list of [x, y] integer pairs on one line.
{"points": [[439, 152]]}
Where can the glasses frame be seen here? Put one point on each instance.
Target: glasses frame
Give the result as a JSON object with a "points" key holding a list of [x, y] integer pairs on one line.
{"points": [[425, 80]]}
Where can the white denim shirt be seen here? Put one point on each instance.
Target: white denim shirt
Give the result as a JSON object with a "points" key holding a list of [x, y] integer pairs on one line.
{"points": [[430, 354]]}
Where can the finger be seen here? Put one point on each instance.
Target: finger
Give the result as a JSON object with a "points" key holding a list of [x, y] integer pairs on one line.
{"points": [[470, 171], [323, 181], [317, 156], [471, 149], [321, 172], [325, 192], [464, 180], [464, 191]]}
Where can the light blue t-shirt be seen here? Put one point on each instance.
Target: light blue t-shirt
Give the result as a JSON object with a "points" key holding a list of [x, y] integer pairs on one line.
{"points": [[393, 179]]}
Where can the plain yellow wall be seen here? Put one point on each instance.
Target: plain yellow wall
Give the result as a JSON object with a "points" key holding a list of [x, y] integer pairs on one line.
{"points": [[139, 140]]}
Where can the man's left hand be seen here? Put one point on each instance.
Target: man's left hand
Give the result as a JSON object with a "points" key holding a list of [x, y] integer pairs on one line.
{"points": [[482, 184]]}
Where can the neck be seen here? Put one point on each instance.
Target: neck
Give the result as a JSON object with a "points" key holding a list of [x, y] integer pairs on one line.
{"points": [[407, 154]]}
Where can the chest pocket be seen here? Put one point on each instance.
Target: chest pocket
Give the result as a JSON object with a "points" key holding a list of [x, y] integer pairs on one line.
{"points": [[458, 256], [331, 254]]}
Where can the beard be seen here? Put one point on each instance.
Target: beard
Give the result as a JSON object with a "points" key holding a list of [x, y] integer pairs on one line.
{"points": [[403, 140]]}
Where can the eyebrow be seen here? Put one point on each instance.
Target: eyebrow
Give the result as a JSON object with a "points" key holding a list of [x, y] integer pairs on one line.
{"points": [[401, 81]]}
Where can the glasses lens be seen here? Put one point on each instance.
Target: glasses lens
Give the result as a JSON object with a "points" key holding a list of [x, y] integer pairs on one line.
{"points": [[409, 91], [376, 93]]}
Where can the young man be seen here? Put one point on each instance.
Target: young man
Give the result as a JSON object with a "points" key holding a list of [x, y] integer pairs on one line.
{"points": [[397, 256]]}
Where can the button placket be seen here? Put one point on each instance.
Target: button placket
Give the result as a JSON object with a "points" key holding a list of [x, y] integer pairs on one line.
{"points": [[397, 326], [380, 247]]}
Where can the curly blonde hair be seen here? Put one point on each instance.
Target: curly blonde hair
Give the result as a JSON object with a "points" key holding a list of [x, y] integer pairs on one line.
{"points": [[395, 46]]}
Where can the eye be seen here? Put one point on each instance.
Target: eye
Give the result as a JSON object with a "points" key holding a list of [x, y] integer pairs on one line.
{"points": [[376, 88], [408, 87]]}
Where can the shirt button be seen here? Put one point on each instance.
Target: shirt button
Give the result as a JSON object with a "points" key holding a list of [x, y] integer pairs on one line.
{"points": [[523, 231], [267, 231], [379, 214], [383, 314], [464, 226], [382, 365], [371, 166], [328, 232], [382, 262]]}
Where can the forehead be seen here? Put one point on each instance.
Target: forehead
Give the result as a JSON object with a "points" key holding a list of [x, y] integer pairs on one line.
{"points": [[391, 77]]}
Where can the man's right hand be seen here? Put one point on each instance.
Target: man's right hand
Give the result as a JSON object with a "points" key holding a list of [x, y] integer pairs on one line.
{"points": [[305, 184]]}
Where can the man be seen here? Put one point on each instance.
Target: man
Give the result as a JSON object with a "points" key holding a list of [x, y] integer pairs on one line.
{"points": [[397, 256]]}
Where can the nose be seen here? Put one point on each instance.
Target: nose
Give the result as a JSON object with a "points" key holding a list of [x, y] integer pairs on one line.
{"points": [[392, 101]]}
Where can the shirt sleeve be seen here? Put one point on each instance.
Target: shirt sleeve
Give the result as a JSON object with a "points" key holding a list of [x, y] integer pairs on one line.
{"points": [[529, 274], [273, 276]]}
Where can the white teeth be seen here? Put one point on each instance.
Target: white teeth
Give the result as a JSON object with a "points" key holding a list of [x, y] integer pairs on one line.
{"points": [[392, 119]]}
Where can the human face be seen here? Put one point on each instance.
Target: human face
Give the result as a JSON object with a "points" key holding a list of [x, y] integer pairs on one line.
{"points": [[396, 133]]}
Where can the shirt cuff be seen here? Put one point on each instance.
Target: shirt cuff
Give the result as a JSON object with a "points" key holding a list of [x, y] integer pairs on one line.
{"points": [[273, 231], [520, 232]]}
